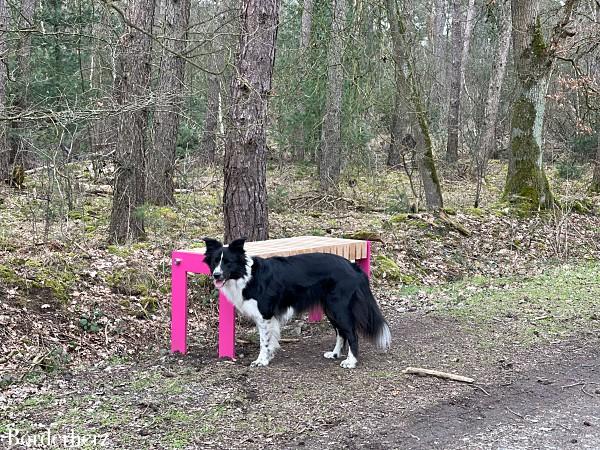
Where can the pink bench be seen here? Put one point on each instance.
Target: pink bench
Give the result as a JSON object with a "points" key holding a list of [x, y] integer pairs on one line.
{"points": [[192, 261]]}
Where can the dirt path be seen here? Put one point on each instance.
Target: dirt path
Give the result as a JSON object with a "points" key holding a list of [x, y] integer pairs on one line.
{"points": [[305, 401]]}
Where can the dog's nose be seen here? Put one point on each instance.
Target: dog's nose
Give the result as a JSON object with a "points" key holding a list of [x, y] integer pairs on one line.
{"points": [[217, 275]]}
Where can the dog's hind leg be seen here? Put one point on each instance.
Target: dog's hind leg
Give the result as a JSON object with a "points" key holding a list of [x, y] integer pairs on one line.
{"points": [[337, 350], [350, 361]]}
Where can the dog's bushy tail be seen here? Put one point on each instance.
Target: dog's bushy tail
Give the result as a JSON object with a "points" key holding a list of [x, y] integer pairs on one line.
{"points": [[368, 317]]}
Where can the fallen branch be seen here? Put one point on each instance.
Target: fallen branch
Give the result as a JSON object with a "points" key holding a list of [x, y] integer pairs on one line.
{"points": [[438, 374], [285, 340], [453, 224]]}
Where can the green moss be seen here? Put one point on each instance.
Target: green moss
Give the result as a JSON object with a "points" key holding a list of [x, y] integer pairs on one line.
{"points": [[581, 205], [477, 212], [363, 235], [9, 276], [450, 211], [119, 250], [398, 218], [131, 281], [387, 268], [538, 44], [526, 182], [56, 281]]}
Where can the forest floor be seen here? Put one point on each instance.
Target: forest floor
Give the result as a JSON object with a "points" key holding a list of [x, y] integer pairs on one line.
{"points": [[84, 326]]}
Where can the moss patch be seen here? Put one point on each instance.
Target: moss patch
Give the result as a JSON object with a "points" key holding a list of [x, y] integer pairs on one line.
{"points": [[387, 268]]}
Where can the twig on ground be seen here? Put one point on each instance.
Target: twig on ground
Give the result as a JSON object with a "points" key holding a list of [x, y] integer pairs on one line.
{"points": [[36, 361], [515, 413], [482, 390], [438, 374]]}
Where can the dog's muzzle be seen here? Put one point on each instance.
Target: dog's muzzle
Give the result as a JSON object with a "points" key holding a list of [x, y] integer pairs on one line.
{"points": [[218, 279]]}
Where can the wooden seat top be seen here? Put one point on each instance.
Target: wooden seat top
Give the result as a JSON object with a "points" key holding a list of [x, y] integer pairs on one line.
{"points": [[348, 248]]}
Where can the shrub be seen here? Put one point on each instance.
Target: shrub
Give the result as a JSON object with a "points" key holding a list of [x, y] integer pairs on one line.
{"points": [[569, 170]]}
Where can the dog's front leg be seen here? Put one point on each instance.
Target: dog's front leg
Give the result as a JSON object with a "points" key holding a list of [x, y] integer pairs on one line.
{"points": [[263, 331]]}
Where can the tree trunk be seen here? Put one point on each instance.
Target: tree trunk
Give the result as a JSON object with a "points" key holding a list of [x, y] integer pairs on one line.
{"points": [[159, 183], [409, 87], [526, 180], [455, 83], [102, 129], [131, 92], [211, 118], [439, 86], [395, 149], [22, 73], [214, 86], [306, 24], [595, 186], [245, 193], [330, 151], [487, 135], [5, 163], [298, 136], [468, 32]]}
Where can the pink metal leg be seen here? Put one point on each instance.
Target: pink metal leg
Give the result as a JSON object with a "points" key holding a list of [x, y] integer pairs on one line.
{"points": [[365, 263], [178, 306], [226, 328], [315, 314]]}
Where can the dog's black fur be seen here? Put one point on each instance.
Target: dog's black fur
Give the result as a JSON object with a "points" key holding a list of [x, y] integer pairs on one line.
{"points": [[301, 282]]}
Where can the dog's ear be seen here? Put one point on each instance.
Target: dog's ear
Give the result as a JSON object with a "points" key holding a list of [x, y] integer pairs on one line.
{"points": [[212, 245], [237, 245]]}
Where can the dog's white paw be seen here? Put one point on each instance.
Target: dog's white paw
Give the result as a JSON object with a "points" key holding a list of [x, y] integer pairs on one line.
{"points": [[331, 355], [348, 364], [260, 362]]}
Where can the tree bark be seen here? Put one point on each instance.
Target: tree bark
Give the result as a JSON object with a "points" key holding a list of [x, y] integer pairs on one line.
{"points": [[487, 135], [23, 56], [245, 192], [526, 180], [409, 87], [102, 130], [131, 91], [5, 163], [455, 83], [595, 186], [467, 34], [307, 9], [160, 171], [330, 151], [439, 87], [298, 136], [214, 87]]}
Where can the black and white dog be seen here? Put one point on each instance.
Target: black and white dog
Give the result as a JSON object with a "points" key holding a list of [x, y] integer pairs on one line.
{"points": [[271, 290]]}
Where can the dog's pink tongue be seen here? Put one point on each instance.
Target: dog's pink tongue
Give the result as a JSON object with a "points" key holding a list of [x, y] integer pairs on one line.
{"points": [[219, 284]]}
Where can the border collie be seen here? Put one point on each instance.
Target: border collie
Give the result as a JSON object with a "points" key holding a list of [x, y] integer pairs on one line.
{"points": [[271, 290]]}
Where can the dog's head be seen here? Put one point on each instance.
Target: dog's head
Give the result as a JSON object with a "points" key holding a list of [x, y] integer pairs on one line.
{"points": [[226, 263]]}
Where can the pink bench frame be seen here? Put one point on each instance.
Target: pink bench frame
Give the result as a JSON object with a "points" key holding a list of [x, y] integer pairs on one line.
{"points": [[184, 262]]}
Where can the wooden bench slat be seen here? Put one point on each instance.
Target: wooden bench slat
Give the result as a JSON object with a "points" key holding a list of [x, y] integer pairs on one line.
{"points": [[348, 248]]}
